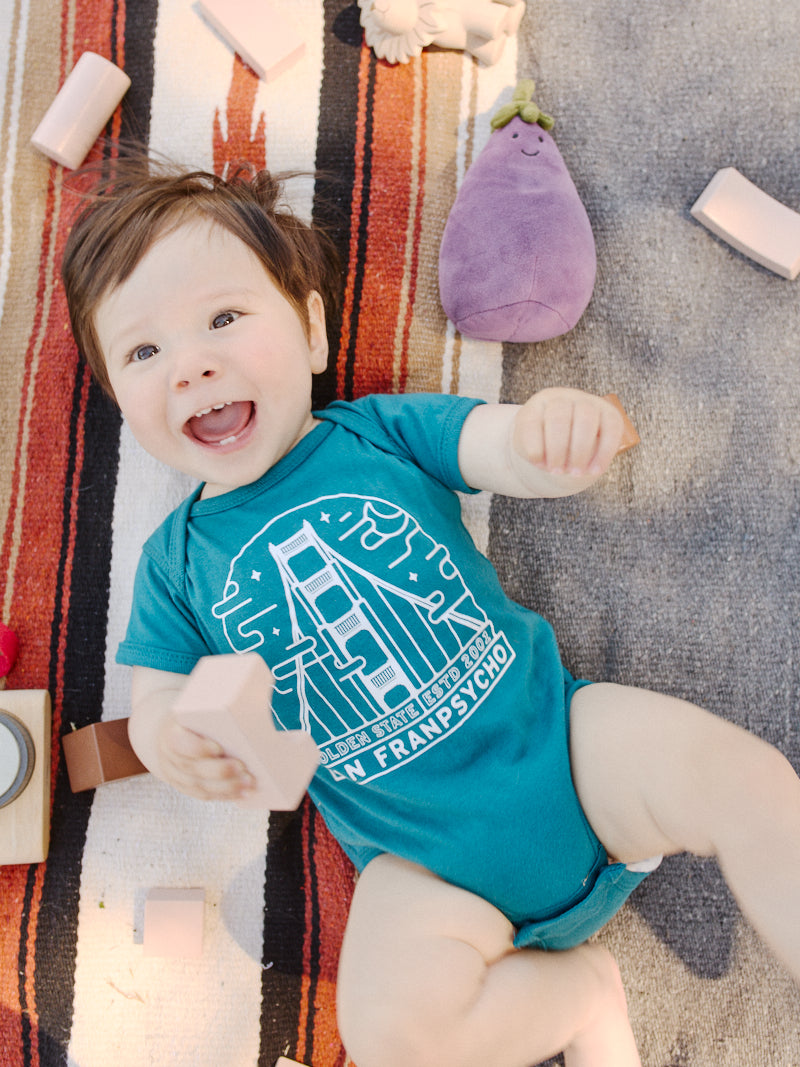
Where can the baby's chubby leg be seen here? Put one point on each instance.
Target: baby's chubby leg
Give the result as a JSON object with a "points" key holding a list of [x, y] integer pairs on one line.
{"points": [[428, 977], [658, 775]]}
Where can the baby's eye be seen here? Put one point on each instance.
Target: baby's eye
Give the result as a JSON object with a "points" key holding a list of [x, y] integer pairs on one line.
{"points": [[225, 318], [139, 355]]}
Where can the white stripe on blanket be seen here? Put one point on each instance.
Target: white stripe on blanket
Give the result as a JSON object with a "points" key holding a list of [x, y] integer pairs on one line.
{"points": [[13, 29]]}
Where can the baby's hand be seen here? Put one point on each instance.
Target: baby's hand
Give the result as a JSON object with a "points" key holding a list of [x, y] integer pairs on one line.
{"points": [[567, 432], [198, 766]]}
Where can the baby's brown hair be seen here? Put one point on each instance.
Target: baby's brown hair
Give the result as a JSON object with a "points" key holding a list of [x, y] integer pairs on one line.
{"points": [[144, 199]]}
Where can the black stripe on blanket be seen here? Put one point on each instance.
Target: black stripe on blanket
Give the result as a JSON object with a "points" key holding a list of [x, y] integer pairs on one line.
{"points": [[336, 152], [86, 621]]}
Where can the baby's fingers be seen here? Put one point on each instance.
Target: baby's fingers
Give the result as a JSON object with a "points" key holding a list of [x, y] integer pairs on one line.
{"points": [[581, 436], [187, 745], [197, 765], [609, 437], [571, 435]]}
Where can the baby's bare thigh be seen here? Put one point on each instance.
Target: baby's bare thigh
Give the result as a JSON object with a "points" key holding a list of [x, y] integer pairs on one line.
{"points": [[644, 766], [410, 937], [398, 904]]}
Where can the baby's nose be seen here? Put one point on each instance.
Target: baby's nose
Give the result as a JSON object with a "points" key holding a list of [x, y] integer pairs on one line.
{"points": [[191, 369]]}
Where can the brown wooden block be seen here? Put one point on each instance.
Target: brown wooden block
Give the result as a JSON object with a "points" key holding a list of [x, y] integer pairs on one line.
{"points": [[629, 435], [100, 753], [25, 774]]}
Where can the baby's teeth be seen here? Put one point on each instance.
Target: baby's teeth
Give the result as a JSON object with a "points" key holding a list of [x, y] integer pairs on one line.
{"points": [[216, 407]]}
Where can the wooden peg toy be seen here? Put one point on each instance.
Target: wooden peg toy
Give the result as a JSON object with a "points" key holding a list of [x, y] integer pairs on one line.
{"points": [[173, 922], [84, 104], [228, 698], [629, 435], [284, 1062], [752, 221], [24, 775], [259, 31], [100, 753]]}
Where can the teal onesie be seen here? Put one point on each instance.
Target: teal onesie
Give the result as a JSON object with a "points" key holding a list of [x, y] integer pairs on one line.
{"points": [[440, 707]]}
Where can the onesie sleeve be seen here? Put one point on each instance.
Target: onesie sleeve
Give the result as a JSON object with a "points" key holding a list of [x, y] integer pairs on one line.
{"points": [[425, 427], [162, 632]]}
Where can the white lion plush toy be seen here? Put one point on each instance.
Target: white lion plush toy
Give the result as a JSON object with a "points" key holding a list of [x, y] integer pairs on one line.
{"points": [[398, 30]]}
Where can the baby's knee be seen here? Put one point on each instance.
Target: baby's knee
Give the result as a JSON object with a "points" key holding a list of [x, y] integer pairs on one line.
{"points": [[768, 781], [421, 1020], [391, 1037], [609, 990], [755, 770]]}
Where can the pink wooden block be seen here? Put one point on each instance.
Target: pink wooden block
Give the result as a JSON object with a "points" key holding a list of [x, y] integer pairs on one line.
{"points": [[284, 1062], [751, 221], [227, 698], [85, 103], [260, 32], [173, 922]]}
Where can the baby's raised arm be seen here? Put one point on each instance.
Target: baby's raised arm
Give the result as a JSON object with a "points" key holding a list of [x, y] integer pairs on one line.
{"points": [[557, 443], [193, 764]]}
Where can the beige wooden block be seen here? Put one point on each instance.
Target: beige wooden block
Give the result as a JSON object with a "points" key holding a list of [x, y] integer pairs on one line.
{"points": [[228, 698], [173, 922], [284, 1062], [84, 104], [259, 31], [24, 775], [751, 221]]}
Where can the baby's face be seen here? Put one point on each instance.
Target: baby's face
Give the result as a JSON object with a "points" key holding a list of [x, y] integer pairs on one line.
{"points": [[209, 362]]}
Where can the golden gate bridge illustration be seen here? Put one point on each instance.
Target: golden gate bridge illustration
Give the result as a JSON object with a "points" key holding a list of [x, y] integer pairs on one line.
{"points": [[364, 646]]}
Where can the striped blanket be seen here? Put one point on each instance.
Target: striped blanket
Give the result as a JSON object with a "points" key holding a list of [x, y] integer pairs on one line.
{"points": [[659, 577]]}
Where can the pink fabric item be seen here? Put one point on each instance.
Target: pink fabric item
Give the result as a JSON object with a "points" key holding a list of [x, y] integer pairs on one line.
{"points": [[9, 647]]}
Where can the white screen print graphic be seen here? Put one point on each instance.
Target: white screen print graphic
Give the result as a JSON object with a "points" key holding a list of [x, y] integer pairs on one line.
{"points": [[378, 648]]}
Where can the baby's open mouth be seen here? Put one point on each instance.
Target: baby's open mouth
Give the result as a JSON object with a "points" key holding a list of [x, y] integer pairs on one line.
{"points": [[221, 424]]}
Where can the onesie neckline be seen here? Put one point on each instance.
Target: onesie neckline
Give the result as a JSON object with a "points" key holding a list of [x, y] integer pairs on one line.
{"points": [[282, 469]]}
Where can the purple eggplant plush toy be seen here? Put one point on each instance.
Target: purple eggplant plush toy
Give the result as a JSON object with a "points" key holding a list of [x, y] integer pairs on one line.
{"points": [[517, 260]]}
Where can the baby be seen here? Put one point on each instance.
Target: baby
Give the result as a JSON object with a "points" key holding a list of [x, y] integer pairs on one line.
{"points": [[498, 810]]}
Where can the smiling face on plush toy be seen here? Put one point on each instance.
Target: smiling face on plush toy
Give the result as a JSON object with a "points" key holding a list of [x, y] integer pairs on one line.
{"points": [[526, 145], [522, 154], [530, 142]]}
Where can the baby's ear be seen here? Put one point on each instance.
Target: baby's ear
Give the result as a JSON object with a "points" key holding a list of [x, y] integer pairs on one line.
{"points": [[317, 333]]}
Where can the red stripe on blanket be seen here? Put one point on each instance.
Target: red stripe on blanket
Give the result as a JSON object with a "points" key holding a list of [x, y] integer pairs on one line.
{"points": [[412, 252], [329, 891], [34, 535], [46, 472], [393, 176], [240, 143], [354, 265]]}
